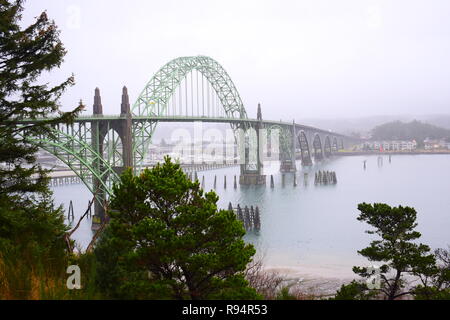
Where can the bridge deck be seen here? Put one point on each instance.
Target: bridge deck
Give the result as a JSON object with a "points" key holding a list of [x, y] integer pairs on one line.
{"points": [[92, 118]]}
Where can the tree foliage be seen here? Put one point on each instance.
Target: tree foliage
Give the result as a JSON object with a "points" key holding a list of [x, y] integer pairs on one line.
{"points": [[396, 249], [354, 291], [24, 55], [31, 228], [166, 239], [435, 279]]}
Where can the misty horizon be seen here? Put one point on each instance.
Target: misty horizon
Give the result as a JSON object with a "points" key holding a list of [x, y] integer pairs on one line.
{"points": [[301, 60]]}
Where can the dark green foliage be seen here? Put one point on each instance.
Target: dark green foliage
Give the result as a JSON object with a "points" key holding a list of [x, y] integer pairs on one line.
{"points": [[167, 240], [399, 255], [32, 231], [396, 250], [285, 295], [431, 293], [31, 245], [354, 291], [416, 130], [435, 279], [24, 55]]}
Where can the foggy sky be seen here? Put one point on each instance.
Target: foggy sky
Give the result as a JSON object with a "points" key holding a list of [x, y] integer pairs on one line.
{"points": [[300, 59]]}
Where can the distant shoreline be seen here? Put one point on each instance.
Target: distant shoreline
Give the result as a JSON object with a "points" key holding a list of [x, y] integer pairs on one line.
{"points": [[368, 153]]}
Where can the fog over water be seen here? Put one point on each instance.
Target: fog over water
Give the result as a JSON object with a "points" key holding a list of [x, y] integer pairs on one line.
{"points": [[313, 229]]}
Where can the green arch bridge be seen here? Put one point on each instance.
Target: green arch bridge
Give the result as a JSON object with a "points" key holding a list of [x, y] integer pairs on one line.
{"points": [[187, 89]]}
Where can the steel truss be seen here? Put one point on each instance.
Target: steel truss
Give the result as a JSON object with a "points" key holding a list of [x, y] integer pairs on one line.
{"points": [[156, 97], [72, 144]]}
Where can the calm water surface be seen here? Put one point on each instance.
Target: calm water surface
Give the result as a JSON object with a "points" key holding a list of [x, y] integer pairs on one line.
{"points": [[313, 229]]}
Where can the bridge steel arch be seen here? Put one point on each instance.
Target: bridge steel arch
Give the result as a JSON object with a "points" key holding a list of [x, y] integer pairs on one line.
{"points": [[322, 144], [154, 98], [317, 147], [70, 144], [304, 148]]}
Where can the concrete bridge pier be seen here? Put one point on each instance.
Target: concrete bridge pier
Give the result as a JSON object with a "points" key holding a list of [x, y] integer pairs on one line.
{"points": [[100, 128], [97, 128], [252, 171]]}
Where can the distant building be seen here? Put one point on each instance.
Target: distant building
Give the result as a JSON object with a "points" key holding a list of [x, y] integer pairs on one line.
{"points": [[436, 144], [394, 145]]}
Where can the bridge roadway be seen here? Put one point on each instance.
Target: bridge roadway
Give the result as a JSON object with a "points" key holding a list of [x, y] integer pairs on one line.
{"points": [[92, 118]]}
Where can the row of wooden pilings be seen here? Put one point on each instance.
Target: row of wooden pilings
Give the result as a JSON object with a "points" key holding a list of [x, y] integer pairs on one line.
{"points": [[194, 177], [71, 212], [325, 177], [250, 217], [321, 177], [283, 180]]}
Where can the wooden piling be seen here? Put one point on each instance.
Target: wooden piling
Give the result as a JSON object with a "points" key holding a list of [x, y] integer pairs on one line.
{"points": [[272, 184], [239, 213], [247, 218], [257, 221], [252, 217]]}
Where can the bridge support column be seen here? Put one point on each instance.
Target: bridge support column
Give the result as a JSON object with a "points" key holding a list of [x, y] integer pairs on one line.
{"points": [[123, 127], [252, 173], [98, 132], [248, 179]]}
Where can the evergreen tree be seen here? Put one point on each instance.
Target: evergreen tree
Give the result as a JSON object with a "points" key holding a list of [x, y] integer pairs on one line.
{"points": [[435, 279], [354, 291], [31, 228], [24, 55], [397, 249], [166, 239]]}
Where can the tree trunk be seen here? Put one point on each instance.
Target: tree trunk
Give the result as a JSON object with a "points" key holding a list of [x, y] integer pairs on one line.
{"points": [[394, 286]]}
